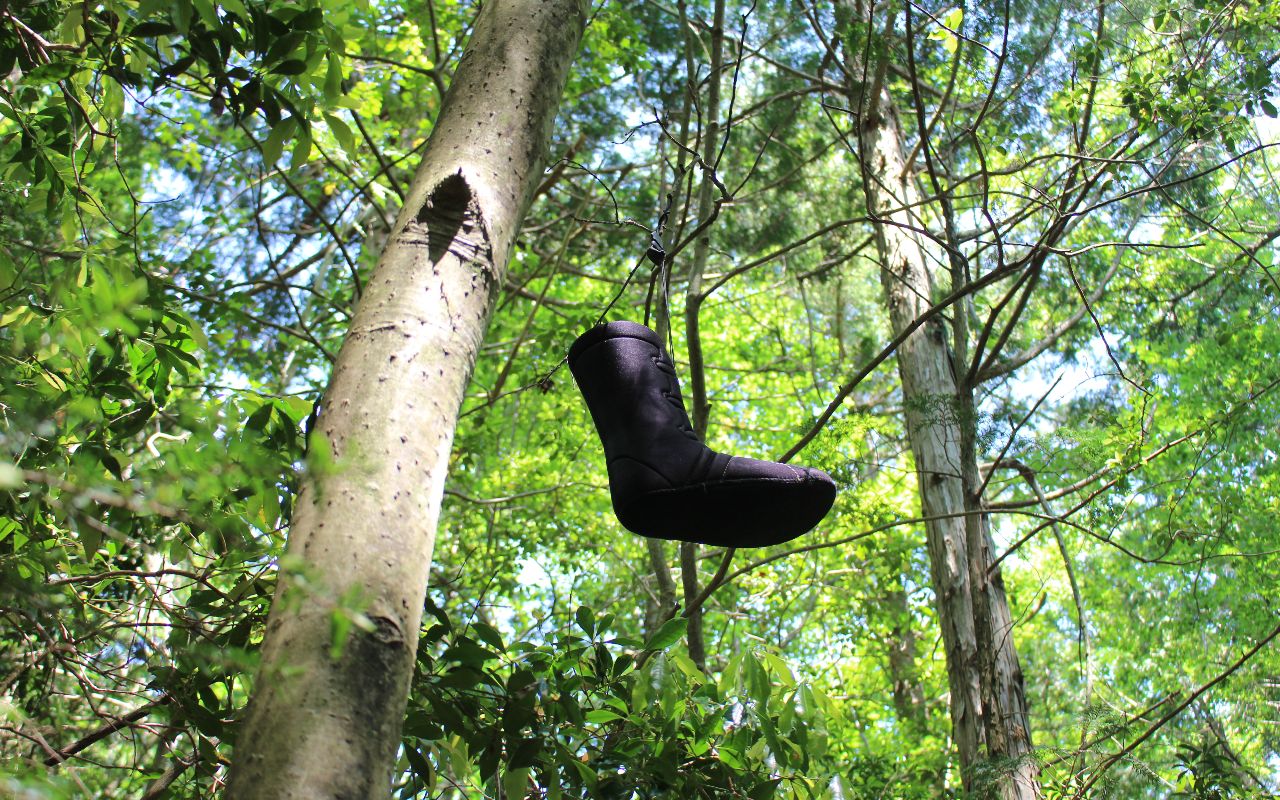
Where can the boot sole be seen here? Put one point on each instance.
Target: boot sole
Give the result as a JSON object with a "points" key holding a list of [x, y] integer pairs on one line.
{"points": [[719, 513]]}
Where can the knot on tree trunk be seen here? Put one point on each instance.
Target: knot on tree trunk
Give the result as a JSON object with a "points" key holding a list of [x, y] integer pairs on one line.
{"points": [[450, 222]]}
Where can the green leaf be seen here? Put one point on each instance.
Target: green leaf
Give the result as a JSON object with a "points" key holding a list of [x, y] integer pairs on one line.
{"points": [[207, 13], [181, 12], [465, 651], [301, 148], [764, 790], [235, 7], [333, 77], [153, 28], [586, 619], [176, 358], [273, 147], [488, 635], [90, 540], [308, 20], [420, 765], [258, 420], [670, 633], [418, 723], [524, 754], [515, 782], [292, 66], [340, 624], [283, 47], [112, 98], [437, 612], [685, 664], [346, 139]]}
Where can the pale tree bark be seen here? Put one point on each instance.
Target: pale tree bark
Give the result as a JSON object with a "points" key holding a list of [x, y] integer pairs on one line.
{"points": [[325, 716], [988, 704]]}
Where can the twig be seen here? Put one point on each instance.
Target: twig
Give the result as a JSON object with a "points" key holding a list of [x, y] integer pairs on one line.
{"points": [[847, 389], [1160, 723], [111, 727], [176, 767]]}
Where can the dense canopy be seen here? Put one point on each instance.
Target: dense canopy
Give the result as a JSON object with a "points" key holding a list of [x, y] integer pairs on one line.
{"points": [[1006, 271]]}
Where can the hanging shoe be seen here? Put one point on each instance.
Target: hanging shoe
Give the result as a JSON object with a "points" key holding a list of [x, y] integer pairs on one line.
{"points": [[667, 484]]}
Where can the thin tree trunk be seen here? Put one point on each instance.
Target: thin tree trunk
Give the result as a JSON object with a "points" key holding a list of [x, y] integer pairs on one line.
{"points": [[689, 583], [988, 705], [693, 306], [908, 692], [665, 604], [325, 716], [702, 246]]}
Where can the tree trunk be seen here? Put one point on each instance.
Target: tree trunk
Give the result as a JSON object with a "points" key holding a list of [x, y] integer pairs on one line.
{"points": [[700, 409], [325, 715], [908, 692], [909, 701], [988, 705]]}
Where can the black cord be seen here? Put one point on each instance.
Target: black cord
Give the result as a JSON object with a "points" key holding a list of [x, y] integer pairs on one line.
{"points": [[657, 255]]}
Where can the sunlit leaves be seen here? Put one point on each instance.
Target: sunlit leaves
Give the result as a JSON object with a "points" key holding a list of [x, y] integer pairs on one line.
{"points": [[187, 190], [1232, 79], [585, 715]]}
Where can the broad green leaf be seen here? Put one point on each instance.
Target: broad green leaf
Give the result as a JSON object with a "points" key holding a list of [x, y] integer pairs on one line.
{"points": [[342, 133], [273, 146], [672, 631]]}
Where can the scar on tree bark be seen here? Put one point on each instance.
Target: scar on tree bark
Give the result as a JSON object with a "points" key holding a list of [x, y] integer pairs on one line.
{"points": [[452, 218]]}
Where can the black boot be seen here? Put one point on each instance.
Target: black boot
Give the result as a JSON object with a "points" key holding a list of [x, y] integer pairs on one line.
{"points": [[665, 483]]}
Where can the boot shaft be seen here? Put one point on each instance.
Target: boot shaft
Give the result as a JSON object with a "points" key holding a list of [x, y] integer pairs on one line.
{"points": [[632, 392]]}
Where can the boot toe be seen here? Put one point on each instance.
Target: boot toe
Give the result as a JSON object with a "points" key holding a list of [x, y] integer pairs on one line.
{"points": [[755, 504]]}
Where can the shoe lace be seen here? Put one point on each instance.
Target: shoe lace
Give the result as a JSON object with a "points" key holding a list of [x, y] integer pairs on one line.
{"points": [[672, 395]]}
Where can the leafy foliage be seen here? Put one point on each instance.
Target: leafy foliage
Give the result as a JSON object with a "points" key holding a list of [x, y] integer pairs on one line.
{"points": [[192, 194], [585, 714]]}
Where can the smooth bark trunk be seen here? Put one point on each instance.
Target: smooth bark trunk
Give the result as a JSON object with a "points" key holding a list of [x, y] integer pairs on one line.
{"points": [[988, 705], [663, 604], [325, 716]]}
